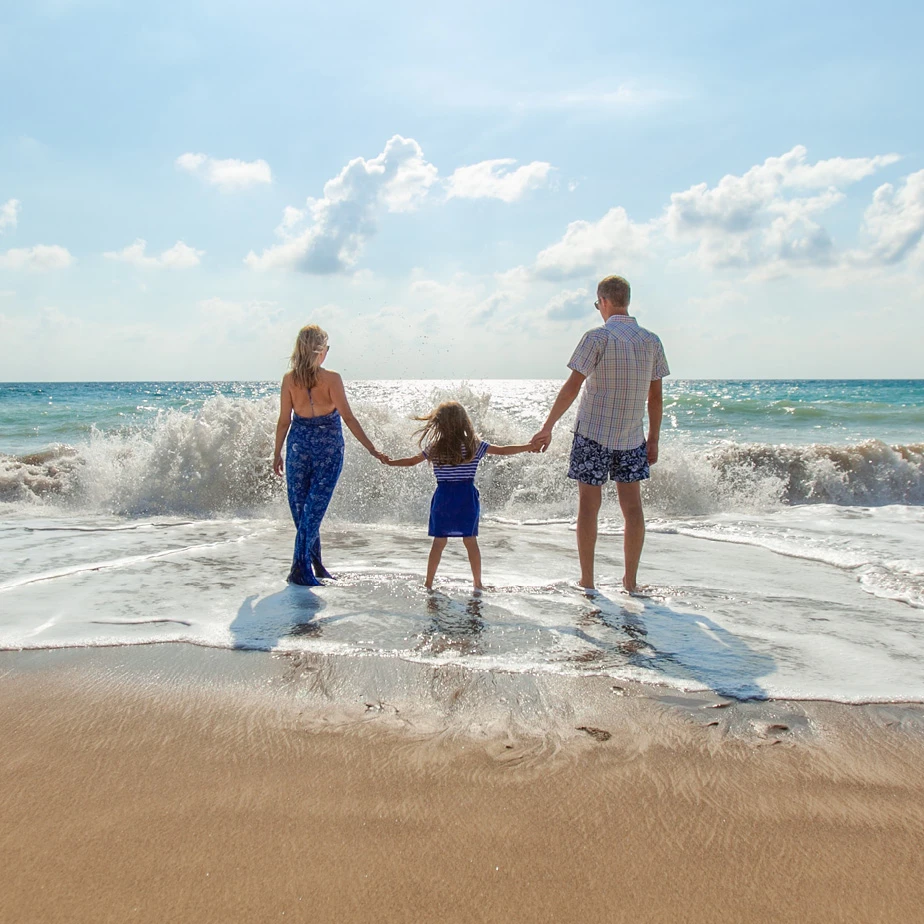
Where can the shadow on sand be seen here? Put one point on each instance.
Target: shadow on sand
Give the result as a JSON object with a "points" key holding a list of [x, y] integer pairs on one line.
{"points": [[617, 631], [453, 626], [679, 644], [261, 623]]}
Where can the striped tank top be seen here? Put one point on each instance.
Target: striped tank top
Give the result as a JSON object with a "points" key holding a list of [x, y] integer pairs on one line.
{"points": [[464, 472]]}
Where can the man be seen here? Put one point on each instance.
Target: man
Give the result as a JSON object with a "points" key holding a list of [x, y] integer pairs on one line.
{"points": [[621, 366]]}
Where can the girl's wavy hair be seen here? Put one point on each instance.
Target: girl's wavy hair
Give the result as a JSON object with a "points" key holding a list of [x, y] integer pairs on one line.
{"points": [[448, 435], [310, 345]]}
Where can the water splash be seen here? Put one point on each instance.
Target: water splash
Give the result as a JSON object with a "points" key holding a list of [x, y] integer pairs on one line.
{"points": [[216, 460]]}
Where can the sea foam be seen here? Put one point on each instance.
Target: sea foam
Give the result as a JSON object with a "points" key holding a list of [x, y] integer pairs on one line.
{"points": [[217, 460]]}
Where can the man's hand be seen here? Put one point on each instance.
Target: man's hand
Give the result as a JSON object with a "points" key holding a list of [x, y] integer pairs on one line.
{"points": [[566, 395], [652, 448], [541, 440]]}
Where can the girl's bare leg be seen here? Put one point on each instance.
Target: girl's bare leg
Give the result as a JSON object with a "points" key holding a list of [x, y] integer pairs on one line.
{"points": [[433, 562], [474, 559]]}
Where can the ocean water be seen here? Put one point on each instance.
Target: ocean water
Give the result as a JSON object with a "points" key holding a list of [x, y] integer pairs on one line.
{"points": [[784, 559]]}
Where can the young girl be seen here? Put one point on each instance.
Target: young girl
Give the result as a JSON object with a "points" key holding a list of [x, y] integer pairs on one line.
{"points": [[448, 442]]}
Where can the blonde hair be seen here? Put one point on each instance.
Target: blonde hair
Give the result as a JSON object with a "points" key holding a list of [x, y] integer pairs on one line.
{"points": [[449, 435], [616, 290], [310, 345]]}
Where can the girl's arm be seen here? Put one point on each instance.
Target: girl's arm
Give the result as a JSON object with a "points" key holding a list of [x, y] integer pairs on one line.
{"points": [[511, 450], [410, 460], [338, 395], [283, 424]]}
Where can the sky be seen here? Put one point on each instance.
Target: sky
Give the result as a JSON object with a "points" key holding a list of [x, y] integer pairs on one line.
{"points": [[185, 184]]}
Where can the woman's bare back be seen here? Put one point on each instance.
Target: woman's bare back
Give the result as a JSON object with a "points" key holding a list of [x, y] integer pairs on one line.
{"points": [[316, 403]]}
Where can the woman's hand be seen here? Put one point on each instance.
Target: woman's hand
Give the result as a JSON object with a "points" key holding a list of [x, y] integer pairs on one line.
{"points": [[277, 465], [381, 457]]}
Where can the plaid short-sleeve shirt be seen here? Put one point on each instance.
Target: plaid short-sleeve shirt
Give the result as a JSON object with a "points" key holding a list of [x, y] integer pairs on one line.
{"points": [[619, 361]]}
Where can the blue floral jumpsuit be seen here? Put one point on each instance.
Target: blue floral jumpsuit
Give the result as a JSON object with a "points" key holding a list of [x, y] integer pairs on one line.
{"points": [[314, 460]]}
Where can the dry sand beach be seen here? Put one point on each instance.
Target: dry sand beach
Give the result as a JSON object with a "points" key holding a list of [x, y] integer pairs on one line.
{"points": [[171, 783]]}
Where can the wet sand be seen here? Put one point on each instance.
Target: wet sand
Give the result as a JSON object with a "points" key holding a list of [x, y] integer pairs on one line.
{"points": [[160, 785]]}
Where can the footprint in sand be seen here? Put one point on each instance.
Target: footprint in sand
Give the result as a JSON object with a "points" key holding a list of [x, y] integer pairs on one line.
{"points": [[598, 734]]}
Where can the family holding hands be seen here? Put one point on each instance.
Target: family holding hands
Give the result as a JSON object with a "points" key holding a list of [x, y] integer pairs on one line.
{"points": [[620, 366]]}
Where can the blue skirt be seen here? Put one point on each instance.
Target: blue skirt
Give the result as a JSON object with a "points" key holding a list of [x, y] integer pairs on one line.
{"points": [[455, 509]]}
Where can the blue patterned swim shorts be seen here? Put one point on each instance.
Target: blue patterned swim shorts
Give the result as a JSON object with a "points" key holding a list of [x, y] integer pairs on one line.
{"points": [[592, 463]]}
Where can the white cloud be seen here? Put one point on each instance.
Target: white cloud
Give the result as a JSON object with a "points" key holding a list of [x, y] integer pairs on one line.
{"points": [[291, 216], [769, 221], [342, 220], [492, 179], [894, 222], [570, 305], [9, 214], [836, 171], [750, 220], [413, 175], [179, 256], [623, 96], [716, 301], [328, 235], [252, 314], [38, 258], [591, 246], [486, 300], [595, 99], [228, 174]]}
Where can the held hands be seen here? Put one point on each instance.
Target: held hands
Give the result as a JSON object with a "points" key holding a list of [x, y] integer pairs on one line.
{"points": [[381, 457], [541, 440]]}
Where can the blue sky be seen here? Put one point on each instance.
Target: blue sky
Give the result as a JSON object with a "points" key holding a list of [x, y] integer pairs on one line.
{"points": [[441, 187]]}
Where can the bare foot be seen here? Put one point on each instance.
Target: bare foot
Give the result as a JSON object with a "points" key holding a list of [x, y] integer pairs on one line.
{"points": [[587, 589], [630, 586], [636, 590], [478, 588]]}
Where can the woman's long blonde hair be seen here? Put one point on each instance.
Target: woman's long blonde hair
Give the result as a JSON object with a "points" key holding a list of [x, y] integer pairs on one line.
{"points": [[448, 435], [310, 345]]}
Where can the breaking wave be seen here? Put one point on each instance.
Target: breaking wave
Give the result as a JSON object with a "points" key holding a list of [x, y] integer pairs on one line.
{"points": [[216, 461]]}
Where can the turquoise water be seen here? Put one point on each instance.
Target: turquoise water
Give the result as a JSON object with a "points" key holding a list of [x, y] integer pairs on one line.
{"points": [[785, 550], [34, 416]]}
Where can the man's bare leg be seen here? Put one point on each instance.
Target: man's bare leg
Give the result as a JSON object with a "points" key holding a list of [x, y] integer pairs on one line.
{"points": [[589, 497], [630, 502]]}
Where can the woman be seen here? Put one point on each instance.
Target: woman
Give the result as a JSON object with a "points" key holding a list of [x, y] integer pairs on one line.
{"points": [[312, 403]]}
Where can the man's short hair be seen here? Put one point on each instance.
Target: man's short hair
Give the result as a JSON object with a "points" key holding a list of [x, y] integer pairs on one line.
{"points": [[616, 290]]}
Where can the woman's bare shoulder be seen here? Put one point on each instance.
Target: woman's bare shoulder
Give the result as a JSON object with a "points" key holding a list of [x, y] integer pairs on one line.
{"points": [[328, 377]]}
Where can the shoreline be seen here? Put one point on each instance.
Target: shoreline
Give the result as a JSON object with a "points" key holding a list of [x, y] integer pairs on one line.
{"points": [[178, 783], [193, 659]]}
